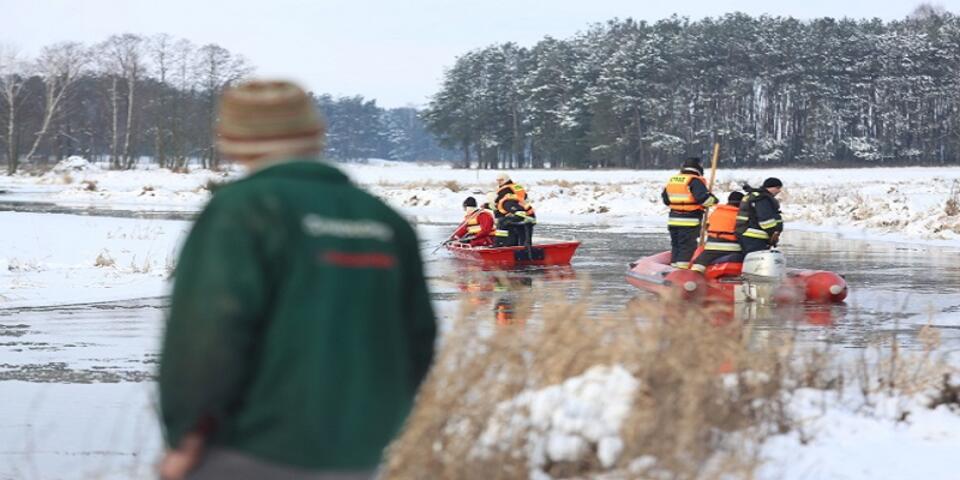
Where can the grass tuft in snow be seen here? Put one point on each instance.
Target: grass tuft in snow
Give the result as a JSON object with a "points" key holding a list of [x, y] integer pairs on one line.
{"points": [[104, 260], [952, 205]]}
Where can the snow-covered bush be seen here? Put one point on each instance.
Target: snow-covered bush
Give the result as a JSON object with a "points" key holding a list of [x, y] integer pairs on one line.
{"points": [[74, 164], [671, 145], [863, 148]]}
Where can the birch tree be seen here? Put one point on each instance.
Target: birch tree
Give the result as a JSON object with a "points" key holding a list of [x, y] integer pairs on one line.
{"points": [[122, 56], [216, 68], [59, 66], [14, 72]]}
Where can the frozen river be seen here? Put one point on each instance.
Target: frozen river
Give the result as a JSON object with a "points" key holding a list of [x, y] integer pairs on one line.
{"points": [[76, 379]]}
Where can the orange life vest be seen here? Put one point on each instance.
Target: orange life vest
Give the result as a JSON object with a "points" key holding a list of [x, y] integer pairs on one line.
{"points": [[512, 191], [722, 224], [679, 194], [473, 220]]}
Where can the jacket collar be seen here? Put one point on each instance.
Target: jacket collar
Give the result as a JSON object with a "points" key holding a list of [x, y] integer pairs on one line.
{"points": [[303, 167]]}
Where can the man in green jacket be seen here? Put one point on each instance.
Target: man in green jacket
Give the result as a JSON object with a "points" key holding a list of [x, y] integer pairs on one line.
{"points": [[300, 326]]}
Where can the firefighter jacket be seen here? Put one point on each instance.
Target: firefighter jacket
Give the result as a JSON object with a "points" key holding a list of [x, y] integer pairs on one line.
{"points": [[721, 229], [686, 195], [479, 225], [759, 216], [512, 199]]}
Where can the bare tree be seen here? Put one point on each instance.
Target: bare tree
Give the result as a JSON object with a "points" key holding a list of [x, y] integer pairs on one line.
{"points": [[122, 57], [14, 73], [184, 82], [216, 68], [59, 65], [161, 48]]}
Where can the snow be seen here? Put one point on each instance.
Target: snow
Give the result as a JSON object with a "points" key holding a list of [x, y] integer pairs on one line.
{"points": [[52, 259], [845, 438], [900, 204], [561, 422]]}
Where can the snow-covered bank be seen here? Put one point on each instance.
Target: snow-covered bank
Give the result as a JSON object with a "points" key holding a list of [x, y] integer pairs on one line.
{"points": [[53, 259], [882, 437], [906, 204]]}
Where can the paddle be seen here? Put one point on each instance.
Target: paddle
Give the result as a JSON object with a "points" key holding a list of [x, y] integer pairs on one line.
{"points": [[450, 237], [713, 176]]}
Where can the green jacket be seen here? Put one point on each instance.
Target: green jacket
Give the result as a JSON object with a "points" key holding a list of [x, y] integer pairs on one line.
{"points": [[300, 324]]}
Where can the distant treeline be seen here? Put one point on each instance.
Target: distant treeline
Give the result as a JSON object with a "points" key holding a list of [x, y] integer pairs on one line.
{"points": [[358, 129], [773, 90], [132, 97]]}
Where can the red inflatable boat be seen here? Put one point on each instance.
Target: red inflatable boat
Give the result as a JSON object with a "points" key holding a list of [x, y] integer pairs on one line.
{"points": [[542, 252], [727, 282]]}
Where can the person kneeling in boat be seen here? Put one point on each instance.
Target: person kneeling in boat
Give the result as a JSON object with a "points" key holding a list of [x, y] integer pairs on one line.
{"points": [[759, 223], [478, 225], [687, 195], [515, 217], [722, 243]]}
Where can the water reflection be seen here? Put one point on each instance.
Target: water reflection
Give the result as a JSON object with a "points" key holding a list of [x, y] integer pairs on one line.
{"points": [[506, 293], [895, 288]]}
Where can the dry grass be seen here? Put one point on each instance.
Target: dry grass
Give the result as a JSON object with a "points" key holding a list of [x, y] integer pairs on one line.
{"points": [[145, 267], [104, 260], [710, 392], [559, 183], [952, 205], [452, 185]]}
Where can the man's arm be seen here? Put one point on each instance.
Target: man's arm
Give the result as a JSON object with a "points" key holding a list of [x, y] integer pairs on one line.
{"points": [[700, 193], [219, 296], [460, 232], [421, 323], [486, 226], [768, 216]]}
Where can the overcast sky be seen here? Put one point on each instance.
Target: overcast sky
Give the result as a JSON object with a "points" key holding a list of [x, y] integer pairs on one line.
{"points": [[391, 50]]}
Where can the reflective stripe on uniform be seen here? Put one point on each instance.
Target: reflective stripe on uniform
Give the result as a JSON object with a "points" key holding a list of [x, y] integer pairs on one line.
{"points": [[475, 229], [680, 264], [696, 267], [501, 233], [722, 246], [742, 218], [678, 198], [768, 223], [754, 233], [683, 222]]}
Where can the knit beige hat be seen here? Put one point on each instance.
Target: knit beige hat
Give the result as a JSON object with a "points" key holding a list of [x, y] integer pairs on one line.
{"points": [[267, 118]]}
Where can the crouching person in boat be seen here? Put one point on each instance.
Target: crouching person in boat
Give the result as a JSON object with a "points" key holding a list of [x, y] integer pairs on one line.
{"points": [[722, 240], [759, 223], [687, 195], [515, 216], [478, 225]]}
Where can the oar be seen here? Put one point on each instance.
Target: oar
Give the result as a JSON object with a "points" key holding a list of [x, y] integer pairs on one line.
{"points": [[449, 238], [713, 176]]}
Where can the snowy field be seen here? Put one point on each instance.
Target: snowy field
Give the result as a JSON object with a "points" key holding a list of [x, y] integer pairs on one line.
{"points": [[95, 427], [898, 204]]}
